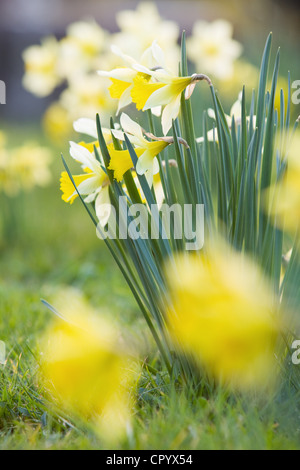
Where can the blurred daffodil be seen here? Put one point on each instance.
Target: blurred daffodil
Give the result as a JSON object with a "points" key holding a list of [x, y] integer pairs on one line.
{"points": [[85, 96], [93, 184], [87, 369], [285, 194], [212, 48], [41, 75], [22, 168], [56, 123], [222, 314], [140, 27]]}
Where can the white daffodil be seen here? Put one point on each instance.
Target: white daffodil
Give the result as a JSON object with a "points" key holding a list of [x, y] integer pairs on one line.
{"points": [[93, 183], [41, 71], [140, 27], [145, 150], [122, 78], [212, 48]]}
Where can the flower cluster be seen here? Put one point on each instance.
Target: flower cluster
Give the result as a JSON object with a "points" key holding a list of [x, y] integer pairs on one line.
{"points": [[86, 48], [24, 167]]}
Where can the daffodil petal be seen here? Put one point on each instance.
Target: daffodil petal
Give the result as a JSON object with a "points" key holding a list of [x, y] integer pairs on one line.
{"points": [[103, 206], [82, 155], [169, 114], [131, 126], [86, 126]]}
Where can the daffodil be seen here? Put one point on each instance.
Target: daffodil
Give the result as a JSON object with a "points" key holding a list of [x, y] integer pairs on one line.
{"points": [[221, 313], [140, 27], [212, 48], [145, 150], [85, 96], [93, 183], [123, 77], [165, 91], [41, 74], [285, 195], [57, 123], [22, 168], [87, 369], [84, 44]]}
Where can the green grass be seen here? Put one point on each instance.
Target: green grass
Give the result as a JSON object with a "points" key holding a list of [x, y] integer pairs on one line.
{"points": [[53, 247]]}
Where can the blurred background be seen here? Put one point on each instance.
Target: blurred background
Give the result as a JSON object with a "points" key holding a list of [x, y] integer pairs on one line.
{"points": [[24, 22]]}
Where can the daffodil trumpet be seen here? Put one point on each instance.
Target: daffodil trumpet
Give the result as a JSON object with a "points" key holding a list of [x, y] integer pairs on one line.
{"points": [[146, 151]]}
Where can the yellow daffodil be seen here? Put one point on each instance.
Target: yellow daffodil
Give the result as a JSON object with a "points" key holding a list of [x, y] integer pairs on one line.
{"points": [[166, 91], [145, 150], [93, 183], [122, 78], [41, 75], [212, 48], [285, 196], [87, 369], [222, 314]]}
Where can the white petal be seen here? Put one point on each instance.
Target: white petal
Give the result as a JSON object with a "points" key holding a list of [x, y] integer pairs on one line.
{"points": [[144, 163], [86, 126], [236, 110], [130, 126], [125, 99], [89, 186], [82, 155], [103, 206], [123, 74], [118, 52], [159, 193], [155, 166], [189, 90], [169, 114], [158, 53], [156, 111], [160, 97], [118, 134], [211, 113]]}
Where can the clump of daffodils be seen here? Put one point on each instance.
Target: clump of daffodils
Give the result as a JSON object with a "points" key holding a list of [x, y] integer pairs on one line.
{"points": [[215, 307], [22, 168], [94, 183], [222, 313], [85, 366]]}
